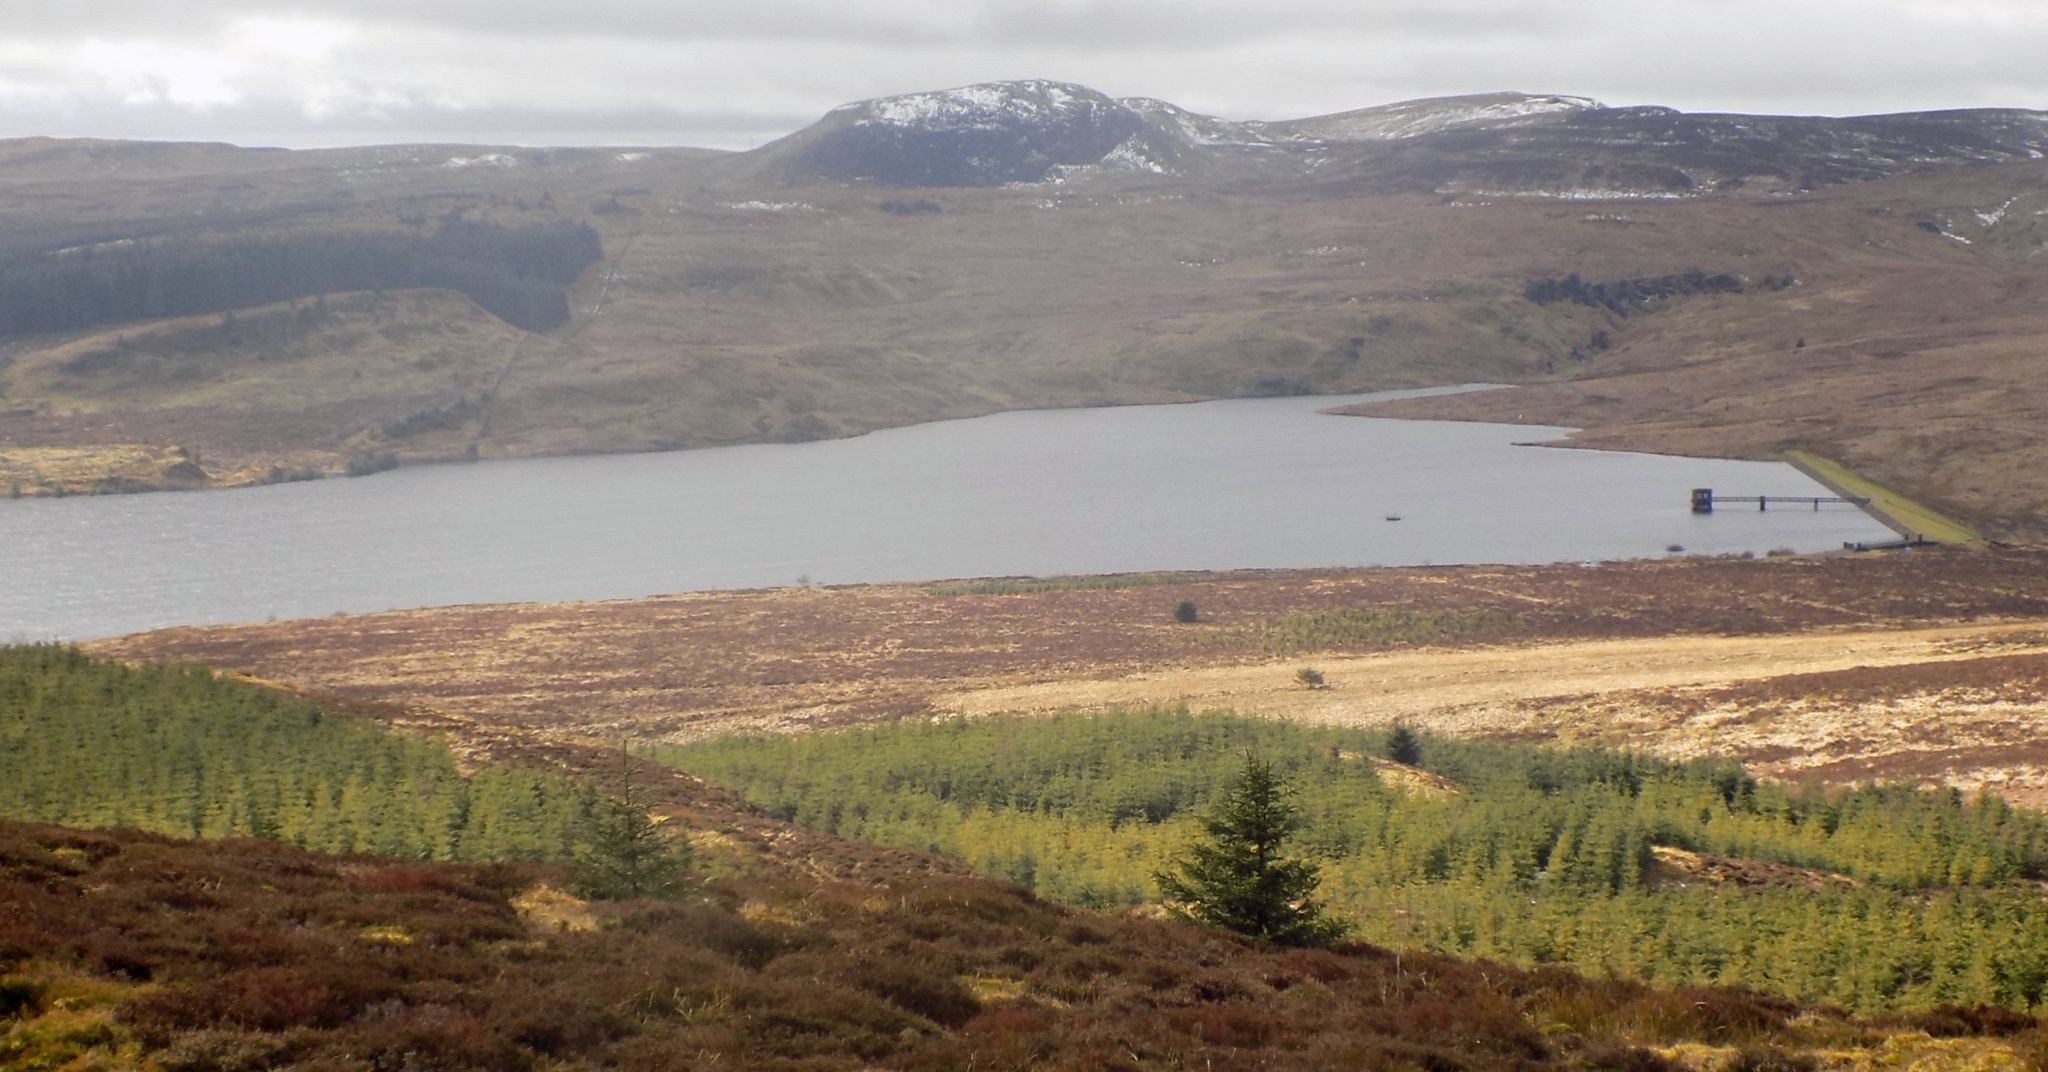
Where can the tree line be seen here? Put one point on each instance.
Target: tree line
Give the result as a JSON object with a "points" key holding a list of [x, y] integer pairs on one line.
{"points": [[518, 274], [1624, 296], [185, 752], [1532, 855]]}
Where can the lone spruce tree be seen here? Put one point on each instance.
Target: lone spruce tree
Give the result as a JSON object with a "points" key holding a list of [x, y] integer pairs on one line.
{"points": [[626, 853], [1237, 878], [1403, 746]]}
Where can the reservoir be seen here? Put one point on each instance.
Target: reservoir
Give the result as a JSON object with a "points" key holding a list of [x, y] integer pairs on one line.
{"points": [[1260, 483]]}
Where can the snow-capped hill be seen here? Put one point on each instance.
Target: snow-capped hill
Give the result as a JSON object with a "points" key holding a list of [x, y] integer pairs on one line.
{"points": [[983, 105], [1037, 130], [982, 135], [1033, 131], [1409, 119]]}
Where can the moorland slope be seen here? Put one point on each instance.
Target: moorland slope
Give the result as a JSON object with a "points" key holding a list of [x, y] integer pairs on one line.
{"points": [[1926, 667], [274, 957], [787, 948], [859, 274]]}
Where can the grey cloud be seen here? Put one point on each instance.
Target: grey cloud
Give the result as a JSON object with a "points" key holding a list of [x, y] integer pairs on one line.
{"points": [[732, 75], [69, 19], [261, 123], [1153, 25], [904, 20]]}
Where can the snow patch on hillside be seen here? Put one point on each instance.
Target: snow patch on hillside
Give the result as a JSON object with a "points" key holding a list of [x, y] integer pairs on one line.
{"points": [[485, 160], [1195, 128], [1132, 156], [769, 206], [1581, 193], [1410, 119], [95, 247], [1991, 218], [985, 104]]}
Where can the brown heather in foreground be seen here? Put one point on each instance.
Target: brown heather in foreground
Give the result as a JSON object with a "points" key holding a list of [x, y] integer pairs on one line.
{"points": [[119, 948]]}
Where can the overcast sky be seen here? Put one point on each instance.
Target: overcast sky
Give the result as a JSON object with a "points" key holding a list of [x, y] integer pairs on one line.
{"points": [[734, 73]]}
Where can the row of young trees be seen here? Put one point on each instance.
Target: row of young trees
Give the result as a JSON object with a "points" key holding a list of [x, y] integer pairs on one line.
{"points": [[1624, 296], [516, 273], [182, 751], [1537, 856]]}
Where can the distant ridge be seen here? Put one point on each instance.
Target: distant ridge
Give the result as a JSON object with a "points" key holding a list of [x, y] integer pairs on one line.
{"points": [[1033, 131], [1042, 131]]}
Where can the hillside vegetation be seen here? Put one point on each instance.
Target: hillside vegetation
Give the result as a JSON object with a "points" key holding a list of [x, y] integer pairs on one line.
{"points": [[517, 273], [791, 949], [734, 302], [182, 751], [121, 950], [1905, 899], [1925, 667]]}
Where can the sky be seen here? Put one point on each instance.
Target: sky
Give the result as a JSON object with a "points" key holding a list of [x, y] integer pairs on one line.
{"points": [[737, 73]]}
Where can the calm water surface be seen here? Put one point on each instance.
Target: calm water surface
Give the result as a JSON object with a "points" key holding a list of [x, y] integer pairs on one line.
{"points": [[1214, 485]]}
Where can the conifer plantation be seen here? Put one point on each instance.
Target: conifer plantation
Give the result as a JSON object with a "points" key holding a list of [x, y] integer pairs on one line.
{"points": [[515, 273], [1877, 899], [184, 752]]}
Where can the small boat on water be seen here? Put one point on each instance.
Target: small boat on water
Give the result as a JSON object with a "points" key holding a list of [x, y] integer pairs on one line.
{"points": [[1393, 517]]}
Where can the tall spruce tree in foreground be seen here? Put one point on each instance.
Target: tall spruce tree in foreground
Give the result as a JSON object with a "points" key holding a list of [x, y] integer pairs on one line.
{"points": [[1237, 879], [628, 854]]}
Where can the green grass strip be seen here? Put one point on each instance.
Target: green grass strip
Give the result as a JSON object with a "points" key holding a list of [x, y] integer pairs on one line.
{"points": [[1912, 516]]}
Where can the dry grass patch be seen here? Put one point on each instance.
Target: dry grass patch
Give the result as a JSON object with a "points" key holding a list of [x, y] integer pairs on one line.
{"points": [[1413, 781], [548, 909], [38, 471]]}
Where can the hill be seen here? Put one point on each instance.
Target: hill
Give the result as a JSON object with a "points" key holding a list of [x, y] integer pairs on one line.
{"points": [[1040, 244], [997, 133], [270, 957], [785, 948]]}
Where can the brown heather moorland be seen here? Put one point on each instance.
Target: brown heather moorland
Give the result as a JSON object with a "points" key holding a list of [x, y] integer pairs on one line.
{"points": [[126, 950], [1923, 667]]}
